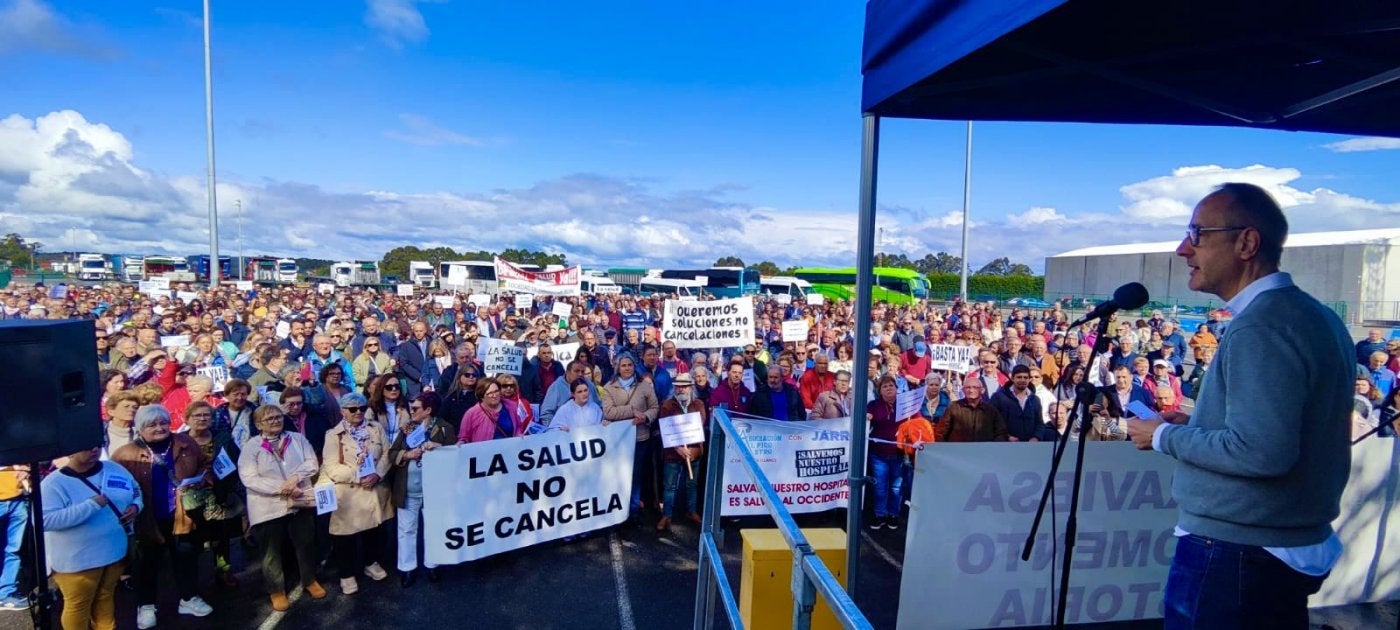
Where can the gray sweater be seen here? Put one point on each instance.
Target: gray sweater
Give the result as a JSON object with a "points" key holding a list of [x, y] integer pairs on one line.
{"points": [[1266, 455]]}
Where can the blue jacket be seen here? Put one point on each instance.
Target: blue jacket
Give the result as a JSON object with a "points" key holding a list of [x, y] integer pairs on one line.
{"points": [[1022, 423]]}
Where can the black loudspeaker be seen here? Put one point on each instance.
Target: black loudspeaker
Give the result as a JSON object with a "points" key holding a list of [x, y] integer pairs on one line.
{"points": [[48, 390]]}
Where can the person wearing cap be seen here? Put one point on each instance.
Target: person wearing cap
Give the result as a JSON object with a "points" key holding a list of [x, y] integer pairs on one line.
{"points": [[356, 459], [914, 365], [1164, 375], [681, 464]]}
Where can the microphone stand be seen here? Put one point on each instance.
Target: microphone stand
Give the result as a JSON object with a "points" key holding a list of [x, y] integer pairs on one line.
{"points": [[1376, 430], [1083, 397]]}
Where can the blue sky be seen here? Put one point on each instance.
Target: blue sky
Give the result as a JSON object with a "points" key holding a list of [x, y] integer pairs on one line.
{"points": [[630, 133]]}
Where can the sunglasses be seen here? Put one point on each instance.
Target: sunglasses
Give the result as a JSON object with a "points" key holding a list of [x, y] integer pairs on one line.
{"points": [[415, 407], [507, 385], [468, 376], [354, 409], [388, 388]]}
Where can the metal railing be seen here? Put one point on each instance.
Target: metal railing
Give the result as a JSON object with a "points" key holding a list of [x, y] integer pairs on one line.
{"points": [[810, 577]]}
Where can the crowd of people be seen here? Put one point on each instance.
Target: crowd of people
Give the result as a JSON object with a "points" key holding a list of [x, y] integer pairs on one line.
{"points": [[224, 413]]}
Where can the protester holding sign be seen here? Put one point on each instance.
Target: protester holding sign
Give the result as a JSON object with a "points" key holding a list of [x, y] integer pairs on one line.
{"points": [[627, 398], [356, 460], [276, 466], [218, 510], [886, 460], [426, 433], [680, 463]]}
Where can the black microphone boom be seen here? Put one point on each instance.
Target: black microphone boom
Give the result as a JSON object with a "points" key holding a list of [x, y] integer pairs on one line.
{"points": [[1128, 297]]}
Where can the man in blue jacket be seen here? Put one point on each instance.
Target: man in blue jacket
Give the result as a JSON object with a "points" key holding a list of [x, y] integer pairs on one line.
{"points": [[1020, 409]]}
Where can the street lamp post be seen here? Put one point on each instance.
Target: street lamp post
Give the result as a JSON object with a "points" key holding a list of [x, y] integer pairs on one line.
{"points": [[209, 140]]}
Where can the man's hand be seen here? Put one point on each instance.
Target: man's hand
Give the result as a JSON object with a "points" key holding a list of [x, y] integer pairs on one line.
{"points": [[129, 514], [1141, 432], [1176, 417]]}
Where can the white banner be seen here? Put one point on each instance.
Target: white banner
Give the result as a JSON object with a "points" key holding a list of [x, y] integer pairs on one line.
{"points": [[243, 285], [562, 309], [607, 289], [154, 284], [714, 324], [816, 299], [806, 463], [960, 359], [973, 505], [446, 301], [404, 290], [503, 357], [480, 300], [563, 352], [795, 330], [513, 278], [489, 497]]}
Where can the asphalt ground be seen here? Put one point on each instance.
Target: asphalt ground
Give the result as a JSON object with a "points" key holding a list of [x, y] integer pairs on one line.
{"points": [[627, 577]]}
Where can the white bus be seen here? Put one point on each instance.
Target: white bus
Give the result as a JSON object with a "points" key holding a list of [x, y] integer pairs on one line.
{"points": [[681, 288], [779, 285], [596, 285], [468, 276]]}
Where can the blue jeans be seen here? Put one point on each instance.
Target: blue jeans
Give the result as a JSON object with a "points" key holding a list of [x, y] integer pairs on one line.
{"points": [[14, 515], [888, 471], [675, 475], [641, 463], [1217, 584]]}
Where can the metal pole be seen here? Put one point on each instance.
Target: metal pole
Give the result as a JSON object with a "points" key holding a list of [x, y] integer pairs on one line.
{"points": [[865, 277], [209, 140], [239, 203], [967, 205]]}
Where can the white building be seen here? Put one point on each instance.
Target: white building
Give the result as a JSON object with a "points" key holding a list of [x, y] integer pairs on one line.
{"points": [[1356, 272]]}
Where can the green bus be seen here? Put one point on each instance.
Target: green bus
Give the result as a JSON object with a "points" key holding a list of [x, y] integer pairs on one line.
{"points": [[896, 286]]}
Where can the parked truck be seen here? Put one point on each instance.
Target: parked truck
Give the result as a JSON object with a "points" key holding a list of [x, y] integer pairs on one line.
{"points": [[94, 267], [287, 271], [170, 267], [130, 268], [355, 274], [420, 273], [199, 265]]}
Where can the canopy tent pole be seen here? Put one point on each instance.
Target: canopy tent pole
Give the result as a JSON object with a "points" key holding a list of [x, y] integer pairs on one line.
{"points": [[860, 372], [967, 205]]}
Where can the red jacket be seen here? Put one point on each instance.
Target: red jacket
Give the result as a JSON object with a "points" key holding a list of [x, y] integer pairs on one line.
{"points": [[813, 384]]}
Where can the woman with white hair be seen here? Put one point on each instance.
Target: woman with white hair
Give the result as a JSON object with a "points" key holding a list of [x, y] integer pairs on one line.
{"points": [[356, 459], [164, 464]]}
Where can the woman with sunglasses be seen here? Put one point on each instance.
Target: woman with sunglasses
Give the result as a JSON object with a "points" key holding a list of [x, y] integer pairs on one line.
{"points": [[387, 407], [521, 413], [490, 418], [372, 361], [426, 432], [356, 460], [460, 396]]}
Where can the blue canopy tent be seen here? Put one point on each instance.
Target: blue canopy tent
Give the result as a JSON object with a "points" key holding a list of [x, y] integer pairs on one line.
{"points": [[1305, 65]]}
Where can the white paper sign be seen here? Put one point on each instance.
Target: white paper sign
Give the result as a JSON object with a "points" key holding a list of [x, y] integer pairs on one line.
{"points": [[366, 467], [783, 298], [523, 302], [714, 324], [187, 296], [417, 437], [154, 284], [243, 285], [325, 499], [795, 330], [543, 488], [174, 341], [325, 287], [562, 309], [216, 373], [749, 380], [907, 403], [960, 359], [404, 290], [479, 299], [503, 357], [563, 352], [806, 462], [687, 428], [223, 464], [445, 300], [816, 299], [703, 280]]}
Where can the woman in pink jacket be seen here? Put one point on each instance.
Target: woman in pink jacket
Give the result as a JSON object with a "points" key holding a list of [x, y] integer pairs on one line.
{"points": [[490, 418]]}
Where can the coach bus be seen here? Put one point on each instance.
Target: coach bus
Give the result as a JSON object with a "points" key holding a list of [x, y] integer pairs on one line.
{"points": [[896, 286], [469, 276], [724, 282]]}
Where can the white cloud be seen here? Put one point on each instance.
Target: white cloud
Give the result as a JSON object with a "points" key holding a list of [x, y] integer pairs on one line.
{"points": [[421, 131], [34, 25], [1353, 145], [399, 22], [1037, 216]]}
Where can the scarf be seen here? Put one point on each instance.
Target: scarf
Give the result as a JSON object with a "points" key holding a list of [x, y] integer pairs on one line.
{"points": [[627, 383], [360, 434], [280, 450]]}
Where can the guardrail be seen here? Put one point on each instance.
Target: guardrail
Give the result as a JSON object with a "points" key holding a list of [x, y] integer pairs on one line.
{"points": [[810, 577]]}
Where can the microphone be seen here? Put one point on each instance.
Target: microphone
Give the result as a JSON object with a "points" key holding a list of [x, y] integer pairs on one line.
{"points": [[1127, 297]]}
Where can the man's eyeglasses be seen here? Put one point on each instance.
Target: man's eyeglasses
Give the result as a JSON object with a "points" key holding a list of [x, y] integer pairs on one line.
{"points": [[354, 409], [1193, 232]]}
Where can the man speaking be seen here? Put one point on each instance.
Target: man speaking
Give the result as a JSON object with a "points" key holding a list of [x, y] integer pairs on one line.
{"points": [[1264, 459]]}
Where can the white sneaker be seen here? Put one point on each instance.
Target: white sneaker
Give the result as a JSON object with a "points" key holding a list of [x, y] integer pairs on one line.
{"points": [[376, 572], [146, 617], [195, 606], [349, 586]]}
